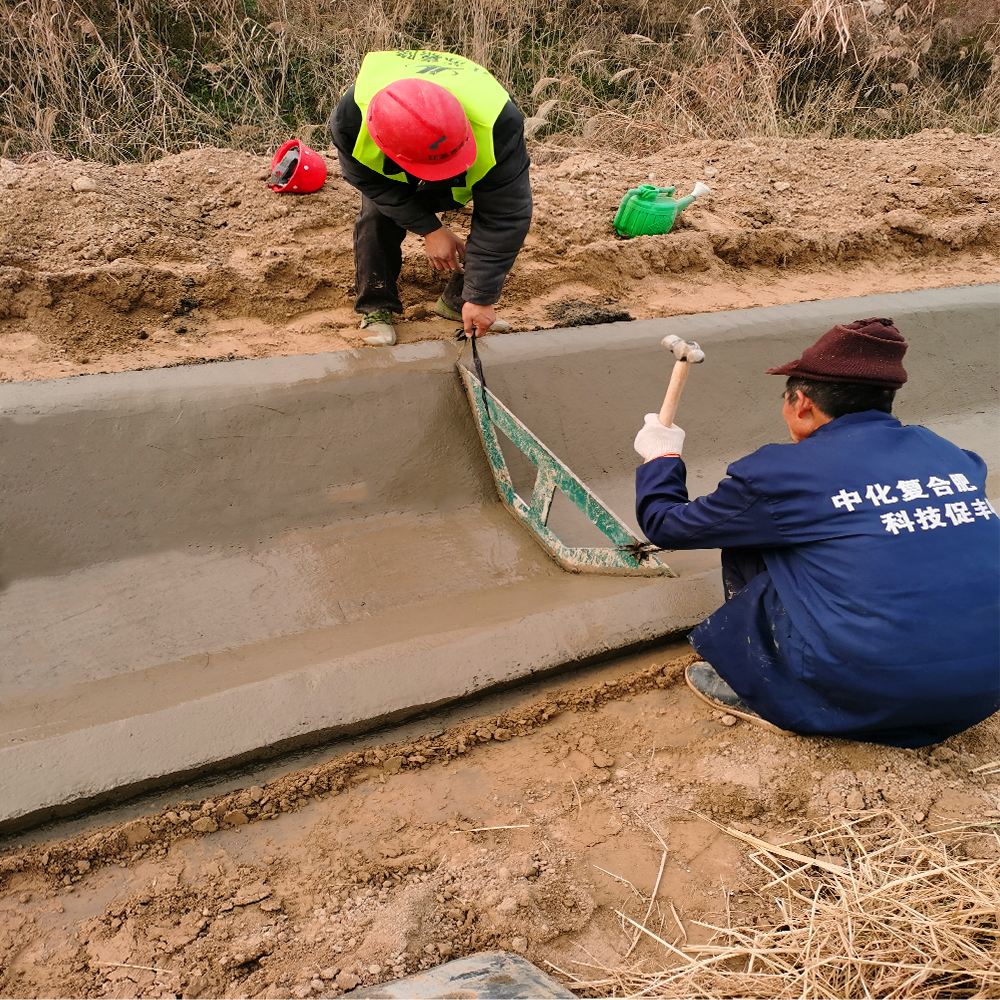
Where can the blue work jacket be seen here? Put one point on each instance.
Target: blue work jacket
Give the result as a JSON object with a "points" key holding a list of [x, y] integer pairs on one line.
{"points": [[878, 617]]}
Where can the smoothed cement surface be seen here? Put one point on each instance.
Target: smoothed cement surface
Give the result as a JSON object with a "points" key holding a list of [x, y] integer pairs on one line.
{"points": [[202, 565]]}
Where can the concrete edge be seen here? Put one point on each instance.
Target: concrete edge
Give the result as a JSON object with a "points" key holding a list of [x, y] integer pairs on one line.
{"points": [[22, 398], [741, 324], [305, 707]]}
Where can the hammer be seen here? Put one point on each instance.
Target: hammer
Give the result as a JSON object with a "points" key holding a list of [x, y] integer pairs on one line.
{"points": [[687, 353]]}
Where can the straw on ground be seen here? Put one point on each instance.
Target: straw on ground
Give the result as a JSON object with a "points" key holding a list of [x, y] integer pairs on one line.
{"points": [[905, 916]]}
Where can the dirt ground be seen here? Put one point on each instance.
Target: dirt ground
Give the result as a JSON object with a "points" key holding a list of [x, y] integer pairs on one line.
{"points": [[192, 258], [365, 866]]}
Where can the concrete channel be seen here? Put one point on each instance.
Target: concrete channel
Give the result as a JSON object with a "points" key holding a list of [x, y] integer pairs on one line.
{"points": [[203, 566]]}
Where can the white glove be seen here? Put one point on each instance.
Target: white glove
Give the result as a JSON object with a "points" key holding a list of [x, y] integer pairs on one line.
{"points": [[654, 439]]}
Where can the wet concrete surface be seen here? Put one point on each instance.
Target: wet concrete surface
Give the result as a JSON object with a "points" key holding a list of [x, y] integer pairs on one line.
{"points": [[216, 783], [203, 565]]}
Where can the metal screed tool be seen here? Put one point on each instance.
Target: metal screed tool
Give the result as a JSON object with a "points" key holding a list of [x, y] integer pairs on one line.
{"points": [[626, 556]]}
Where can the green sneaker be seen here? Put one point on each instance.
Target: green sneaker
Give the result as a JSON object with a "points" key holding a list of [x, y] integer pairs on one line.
{"points": [[380, 324], [442, 309], [445, 311]]}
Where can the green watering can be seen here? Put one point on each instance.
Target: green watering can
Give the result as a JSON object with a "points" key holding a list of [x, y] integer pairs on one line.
{"points": [[651, 211]]}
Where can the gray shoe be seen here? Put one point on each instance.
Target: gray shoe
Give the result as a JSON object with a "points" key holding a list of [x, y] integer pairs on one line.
{"points": [[711, 688], [380, 325]]}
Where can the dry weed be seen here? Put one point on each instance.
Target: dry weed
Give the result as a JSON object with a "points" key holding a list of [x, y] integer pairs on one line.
{"points": [[828, 22], [133, 80], [865, 909]]}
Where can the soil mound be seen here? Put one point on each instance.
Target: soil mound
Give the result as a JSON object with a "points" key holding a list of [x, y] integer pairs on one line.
{"points": [[193, 258]]}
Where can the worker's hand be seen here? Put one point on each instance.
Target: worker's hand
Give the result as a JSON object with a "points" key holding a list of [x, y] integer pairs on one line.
{"points": [[445, 250], [654, 440], [477, 319]]}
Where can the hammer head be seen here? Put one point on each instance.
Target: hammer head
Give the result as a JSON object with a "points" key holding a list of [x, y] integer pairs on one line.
{"points": [[683, 350]]}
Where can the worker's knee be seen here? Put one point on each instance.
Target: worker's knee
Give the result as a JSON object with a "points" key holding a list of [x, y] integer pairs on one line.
{"points": [[371, 222]]}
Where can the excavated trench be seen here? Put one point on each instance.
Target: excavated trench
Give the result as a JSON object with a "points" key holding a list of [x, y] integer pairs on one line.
{"points": [[208, 565]]}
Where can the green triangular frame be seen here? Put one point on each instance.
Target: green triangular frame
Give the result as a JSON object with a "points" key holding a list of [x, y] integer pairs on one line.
{"points": [[628, 555]]}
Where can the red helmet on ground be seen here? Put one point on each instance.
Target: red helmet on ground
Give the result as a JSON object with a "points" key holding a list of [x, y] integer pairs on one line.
{"points": [[423, 128], [308, 169]]}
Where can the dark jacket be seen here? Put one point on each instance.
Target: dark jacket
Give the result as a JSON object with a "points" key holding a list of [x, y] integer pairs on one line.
{"points": [[879, 615], [501, 200]]}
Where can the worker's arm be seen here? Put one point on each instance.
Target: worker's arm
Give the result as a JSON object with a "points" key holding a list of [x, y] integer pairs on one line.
{"points": [[501, 213], [395, 200], [735, 514]]}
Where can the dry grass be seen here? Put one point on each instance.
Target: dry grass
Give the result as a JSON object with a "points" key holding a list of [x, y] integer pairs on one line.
{"points": [[888, 913], [135, 79]]}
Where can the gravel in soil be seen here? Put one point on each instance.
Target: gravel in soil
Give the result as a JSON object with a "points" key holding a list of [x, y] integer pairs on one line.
{"points": [[526, 829], [192, 258]]}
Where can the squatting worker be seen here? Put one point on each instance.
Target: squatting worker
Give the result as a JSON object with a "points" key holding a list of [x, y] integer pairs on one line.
{"points": [[427, 132], [861, 564]]}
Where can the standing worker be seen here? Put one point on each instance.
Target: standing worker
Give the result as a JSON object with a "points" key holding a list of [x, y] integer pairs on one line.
{"points": [[427, 132], [861, 564]]}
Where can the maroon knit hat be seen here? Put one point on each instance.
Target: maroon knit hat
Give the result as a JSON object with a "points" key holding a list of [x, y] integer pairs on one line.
{"points": [[867, 352]]}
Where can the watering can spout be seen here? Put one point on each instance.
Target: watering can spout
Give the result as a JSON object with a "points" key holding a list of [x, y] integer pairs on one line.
{"points": [[697, 192]]}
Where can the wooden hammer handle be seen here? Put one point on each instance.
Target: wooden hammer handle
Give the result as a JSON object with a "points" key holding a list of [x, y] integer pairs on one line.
{"points": [[677, 379]]}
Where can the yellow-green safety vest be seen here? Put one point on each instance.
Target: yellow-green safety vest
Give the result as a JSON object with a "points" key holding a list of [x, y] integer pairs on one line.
{"points": [[479, 93]]}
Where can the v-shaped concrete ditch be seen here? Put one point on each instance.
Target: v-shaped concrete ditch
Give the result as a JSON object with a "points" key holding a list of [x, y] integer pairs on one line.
{"points": [[204, 565]]}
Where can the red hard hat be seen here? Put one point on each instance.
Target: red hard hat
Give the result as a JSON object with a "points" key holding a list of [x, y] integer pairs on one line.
{"points": [[422, 127], [309, 174]]}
